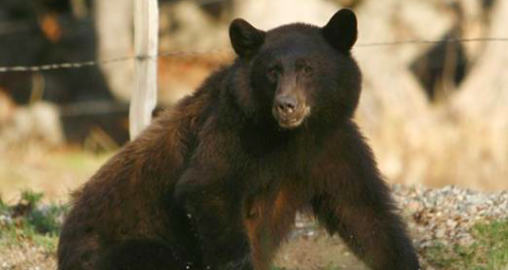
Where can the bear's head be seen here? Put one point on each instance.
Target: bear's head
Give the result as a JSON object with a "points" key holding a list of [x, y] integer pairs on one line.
{"points": [[297, 73]]}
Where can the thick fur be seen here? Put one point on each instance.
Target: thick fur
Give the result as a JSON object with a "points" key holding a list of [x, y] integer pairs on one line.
{"points": [[215, 182]]}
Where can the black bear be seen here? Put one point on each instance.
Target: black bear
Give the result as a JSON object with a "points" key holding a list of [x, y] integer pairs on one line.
{"points": [[215, 182]]}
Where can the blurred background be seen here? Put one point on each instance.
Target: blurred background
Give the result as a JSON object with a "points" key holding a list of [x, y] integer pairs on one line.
{"points": [[435, 91]]}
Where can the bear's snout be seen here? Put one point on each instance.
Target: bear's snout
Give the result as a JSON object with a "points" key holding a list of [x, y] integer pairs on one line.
{"points": [[289, 111], [286, 105]]}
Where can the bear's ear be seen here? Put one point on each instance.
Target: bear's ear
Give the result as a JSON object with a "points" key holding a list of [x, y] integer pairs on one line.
{"points": [[341, 31], [245, 38]]}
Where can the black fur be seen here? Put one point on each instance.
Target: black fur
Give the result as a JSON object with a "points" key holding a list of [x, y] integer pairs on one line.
{"points": [[216, 182]]}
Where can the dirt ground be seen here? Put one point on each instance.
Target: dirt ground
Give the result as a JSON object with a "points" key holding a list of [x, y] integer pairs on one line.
{"points": [[26, 257], [316, 252]]}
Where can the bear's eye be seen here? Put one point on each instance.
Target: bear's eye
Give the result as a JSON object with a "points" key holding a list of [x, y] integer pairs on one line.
{"points": [[307, 70], [273, 73]]}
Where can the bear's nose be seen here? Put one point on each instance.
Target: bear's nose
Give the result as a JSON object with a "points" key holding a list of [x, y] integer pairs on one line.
{"points": [[286, 104]]}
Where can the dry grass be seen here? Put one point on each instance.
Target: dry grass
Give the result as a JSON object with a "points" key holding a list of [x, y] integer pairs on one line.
{"points": [[54, 172]]}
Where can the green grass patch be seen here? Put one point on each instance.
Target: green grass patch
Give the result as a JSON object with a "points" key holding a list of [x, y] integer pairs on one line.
{"points": [[489, 250], [29, 221], [79, 161]]}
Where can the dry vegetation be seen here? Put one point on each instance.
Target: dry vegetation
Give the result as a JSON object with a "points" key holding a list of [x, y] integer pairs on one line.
{"points": [[54, 172]]}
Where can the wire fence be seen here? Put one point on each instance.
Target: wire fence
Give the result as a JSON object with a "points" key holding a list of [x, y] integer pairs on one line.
{"points": [[98, 62]]}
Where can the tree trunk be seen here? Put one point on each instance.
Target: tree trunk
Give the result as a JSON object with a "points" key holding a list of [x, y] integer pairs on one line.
{"points": [[114, 31], [485, 91]]}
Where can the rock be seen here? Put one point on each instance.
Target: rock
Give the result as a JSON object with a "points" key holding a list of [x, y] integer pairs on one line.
{"points": [[451, 223], [39, 123], [414, 206]]}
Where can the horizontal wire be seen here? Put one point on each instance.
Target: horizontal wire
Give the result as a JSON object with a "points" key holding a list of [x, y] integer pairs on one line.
{"points": [[457, 40], [77, 65]]}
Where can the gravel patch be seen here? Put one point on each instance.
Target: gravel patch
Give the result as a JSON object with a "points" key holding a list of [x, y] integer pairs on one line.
{"points": [[443, 216], [447, 214], [26, 257]]}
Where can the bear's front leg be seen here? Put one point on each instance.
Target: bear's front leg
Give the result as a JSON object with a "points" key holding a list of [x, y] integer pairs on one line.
{"points": [[352, 200], [212, 195], [214, 209]]}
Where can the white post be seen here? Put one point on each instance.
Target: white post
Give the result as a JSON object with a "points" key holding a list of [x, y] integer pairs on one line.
{"points": [[144, 96]]}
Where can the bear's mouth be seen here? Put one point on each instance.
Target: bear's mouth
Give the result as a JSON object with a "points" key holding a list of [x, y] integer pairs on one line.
{"points": [[292, 120]]}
